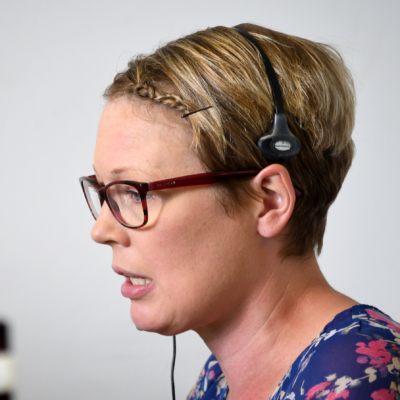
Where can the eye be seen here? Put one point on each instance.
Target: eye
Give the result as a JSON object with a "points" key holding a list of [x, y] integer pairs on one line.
{"points": [[150, 196], [132, 194]]}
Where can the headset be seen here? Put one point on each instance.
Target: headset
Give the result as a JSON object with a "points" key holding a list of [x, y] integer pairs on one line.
{"points": [[278, 144]]}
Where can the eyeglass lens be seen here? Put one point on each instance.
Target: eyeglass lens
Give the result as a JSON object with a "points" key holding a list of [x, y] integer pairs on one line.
{"points": [[92, 198], [126, 204], [124, 201]]}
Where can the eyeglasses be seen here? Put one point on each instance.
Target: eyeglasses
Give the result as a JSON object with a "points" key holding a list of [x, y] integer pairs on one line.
{"points": [[129, 200]]}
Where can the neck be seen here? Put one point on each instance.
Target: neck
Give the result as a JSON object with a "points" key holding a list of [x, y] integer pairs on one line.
{"points": [[255, 345]]}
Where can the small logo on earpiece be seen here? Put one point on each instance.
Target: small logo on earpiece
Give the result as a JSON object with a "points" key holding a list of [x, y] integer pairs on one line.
{"points": [[165, 184], [283, 145]]}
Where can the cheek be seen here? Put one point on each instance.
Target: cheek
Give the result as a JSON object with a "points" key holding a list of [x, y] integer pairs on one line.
{"points": [[185, 234], [194, 255]]}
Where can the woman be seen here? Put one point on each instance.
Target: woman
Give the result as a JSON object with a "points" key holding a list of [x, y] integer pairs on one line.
{"points": [[230, 251]]}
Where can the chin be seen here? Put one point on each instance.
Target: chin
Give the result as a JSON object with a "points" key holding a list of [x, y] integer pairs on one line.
{"points": [[157, 323]]}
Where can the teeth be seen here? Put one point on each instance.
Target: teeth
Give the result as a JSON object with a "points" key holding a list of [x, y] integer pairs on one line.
{"points": [[140, 281]]}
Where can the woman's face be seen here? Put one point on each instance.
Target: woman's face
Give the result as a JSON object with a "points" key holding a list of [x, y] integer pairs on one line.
{"points": [[193, 253]]}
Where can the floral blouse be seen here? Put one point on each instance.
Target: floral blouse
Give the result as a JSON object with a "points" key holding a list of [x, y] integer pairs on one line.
{"points": [[356, 356]]}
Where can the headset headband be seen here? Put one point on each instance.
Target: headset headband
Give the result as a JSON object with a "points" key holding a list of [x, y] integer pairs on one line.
{"points": [[273, 80], [278, 144]]}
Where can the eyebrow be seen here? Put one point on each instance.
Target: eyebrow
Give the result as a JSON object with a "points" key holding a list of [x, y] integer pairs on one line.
{"points": [[115, 171], [118, 171]]}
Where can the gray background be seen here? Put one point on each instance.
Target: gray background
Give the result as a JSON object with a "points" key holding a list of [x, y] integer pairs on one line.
{"points": [[72, 333]]}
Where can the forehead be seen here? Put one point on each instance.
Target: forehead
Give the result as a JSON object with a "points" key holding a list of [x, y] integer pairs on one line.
{"points": [[140, 142]]}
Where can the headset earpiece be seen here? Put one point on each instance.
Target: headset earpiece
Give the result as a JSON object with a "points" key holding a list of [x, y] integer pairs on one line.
{"points": [[279, 144]]}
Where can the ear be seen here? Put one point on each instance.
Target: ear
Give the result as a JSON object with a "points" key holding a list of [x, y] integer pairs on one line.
{"points": [[277, 196]]}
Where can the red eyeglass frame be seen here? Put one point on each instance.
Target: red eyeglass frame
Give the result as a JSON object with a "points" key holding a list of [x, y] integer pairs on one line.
{"points": [[144, 187]]}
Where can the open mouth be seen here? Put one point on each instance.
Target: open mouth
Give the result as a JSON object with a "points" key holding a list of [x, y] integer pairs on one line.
{"points": [[139, 281], [135, 285], [135, 279]]}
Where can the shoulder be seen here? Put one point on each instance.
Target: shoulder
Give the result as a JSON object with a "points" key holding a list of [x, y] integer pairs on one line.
{"points": [[211, 383], [355, 357]]}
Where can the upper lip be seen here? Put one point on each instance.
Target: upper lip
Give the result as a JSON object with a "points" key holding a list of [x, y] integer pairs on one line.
{"points": [[122, 272]]}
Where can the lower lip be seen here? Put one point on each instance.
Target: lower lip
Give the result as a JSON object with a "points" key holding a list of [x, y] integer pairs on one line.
{"points": [[135, 291]]}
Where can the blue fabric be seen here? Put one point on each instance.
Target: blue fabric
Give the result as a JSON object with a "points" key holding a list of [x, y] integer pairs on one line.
{"points": [[356, 356]]}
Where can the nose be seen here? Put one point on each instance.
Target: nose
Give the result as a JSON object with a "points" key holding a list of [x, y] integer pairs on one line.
{"points": [[107, 230]]}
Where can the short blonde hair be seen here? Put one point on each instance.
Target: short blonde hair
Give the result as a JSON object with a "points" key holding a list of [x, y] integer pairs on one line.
{"points": [[218, 67]]}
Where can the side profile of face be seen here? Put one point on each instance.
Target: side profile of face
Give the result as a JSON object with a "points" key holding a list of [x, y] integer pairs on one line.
{"points": [[193, 253]]}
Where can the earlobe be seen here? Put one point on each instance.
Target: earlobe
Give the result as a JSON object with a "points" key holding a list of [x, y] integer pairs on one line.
{"points": [[277, 198]]}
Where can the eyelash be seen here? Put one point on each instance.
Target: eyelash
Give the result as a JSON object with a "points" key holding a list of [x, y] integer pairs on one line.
{"points": [[149, 196]]}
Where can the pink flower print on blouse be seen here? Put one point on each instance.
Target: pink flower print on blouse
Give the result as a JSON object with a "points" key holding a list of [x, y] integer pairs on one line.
{"points": [[338, 391], [320, 391], [377, 315], [376, 352], [317, 389], [210, 375], [383, 394]]}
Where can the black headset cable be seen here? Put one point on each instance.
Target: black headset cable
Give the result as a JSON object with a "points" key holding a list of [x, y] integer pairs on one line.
{"points": [[173, 367]]}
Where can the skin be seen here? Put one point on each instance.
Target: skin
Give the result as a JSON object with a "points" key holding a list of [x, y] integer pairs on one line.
{"points": [[218, 275]]}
